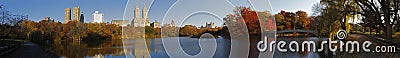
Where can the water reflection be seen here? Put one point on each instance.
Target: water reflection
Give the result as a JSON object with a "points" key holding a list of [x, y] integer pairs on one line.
{"points": [[114, 49], [191, 47], [107, 48], [137, 48]]}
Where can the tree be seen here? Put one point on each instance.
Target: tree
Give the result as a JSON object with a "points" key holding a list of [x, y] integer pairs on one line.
{"points": [[332, 12], [188, 30], [289, 20], [245, 17], [304, 21], [9, 23], [149, 31], [251, 19], [28, 27], [380, 11], [376, 12], [267, 23], [280, 21]]}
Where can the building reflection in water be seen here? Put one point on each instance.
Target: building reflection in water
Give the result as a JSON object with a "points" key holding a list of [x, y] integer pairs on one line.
{"points": [[105, 48], [134, 42]]}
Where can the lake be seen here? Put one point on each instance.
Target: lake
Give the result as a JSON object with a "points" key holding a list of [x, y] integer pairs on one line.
{"points": [[115, 49]]}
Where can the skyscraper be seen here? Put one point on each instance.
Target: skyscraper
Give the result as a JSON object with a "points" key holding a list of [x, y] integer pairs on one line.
{"points": [[67, 14], [82, 18], [144, 15], [97, 17], [140, 20], [76, 13]]}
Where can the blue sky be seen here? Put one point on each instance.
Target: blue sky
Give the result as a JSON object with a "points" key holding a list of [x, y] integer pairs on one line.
{"points": [[114, 9]]}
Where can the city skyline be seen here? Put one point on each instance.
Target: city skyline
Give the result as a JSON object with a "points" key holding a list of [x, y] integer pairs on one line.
{"points": [[115, 9]]}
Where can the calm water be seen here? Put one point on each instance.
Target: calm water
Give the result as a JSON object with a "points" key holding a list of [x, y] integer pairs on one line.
{"points": [[114, 49]]}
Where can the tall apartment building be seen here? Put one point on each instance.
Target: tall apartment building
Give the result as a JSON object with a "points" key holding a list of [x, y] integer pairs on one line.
{"points": [[76, 13], [67, 14], [140, 20]]}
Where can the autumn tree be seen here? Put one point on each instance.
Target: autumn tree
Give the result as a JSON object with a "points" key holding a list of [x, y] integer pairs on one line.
{"points": [[289, 20], [28, 27], [71, 31], [332, 12], [280, 19], [149, 32], [376, 12], [188, 30], [304, 20], [9, 23], [251, 19]]}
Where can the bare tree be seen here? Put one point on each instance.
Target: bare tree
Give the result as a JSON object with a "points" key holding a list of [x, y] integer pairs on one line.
{"points": [[8, 22]]}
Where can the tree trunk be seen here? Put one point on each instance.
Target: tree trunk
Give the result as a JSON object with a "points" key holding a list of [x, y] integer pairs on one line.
{"points": [[388, 26]]}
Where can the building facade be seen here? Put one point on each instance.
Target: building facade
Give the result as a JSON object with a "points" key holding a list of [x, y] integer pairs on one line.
{"points": [[47, 18], [172, 24], [97, 17], [76, 13], [155, 24], [120, 22], [210, 25], [140, 18], [67, 15]]}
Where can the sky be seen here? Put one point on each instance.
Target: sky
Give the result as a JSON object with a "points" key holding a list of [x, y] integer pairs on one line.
{"points": [[195, 12]]}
